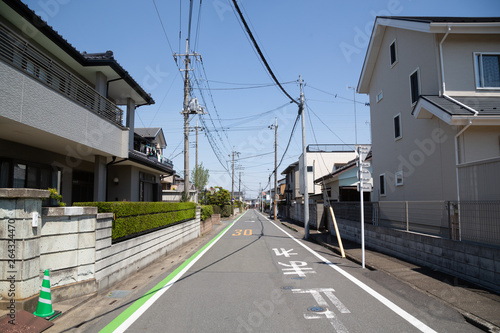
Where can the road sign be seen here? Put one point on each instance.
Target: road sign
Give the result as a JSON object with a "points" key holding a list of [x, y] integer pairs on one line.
{"points": [[367, 187], [364, 175], [365, 164], [363, 151]]}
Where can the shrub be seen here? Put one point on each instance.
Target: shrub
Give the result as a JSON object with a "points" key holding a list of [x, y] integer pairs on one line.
{"points": [[225, 211], [206, 212], [216, 209], [132, 218]]}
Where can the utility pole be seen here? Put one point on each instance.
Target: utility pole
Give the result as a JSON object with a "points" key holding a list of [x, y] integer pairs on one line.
{"points": [[197, 128], [355, 121], [275, 198], [304, 162], [186, 112], [232, 185]]}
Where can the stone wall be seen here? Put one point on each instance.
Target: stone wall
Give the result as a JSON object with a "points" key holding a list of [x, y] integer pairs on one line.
{"points": [[74, 244], [472, 262]]}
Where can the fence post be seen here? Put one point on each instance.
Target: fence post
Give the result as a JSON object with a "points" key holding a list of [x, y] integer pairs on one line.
{"points": [[407, 218]]}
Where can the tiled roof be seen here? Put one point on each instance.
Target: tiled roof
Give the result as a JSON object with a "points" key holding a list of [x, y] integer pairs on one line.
{"points": [[485, 106], [442, 19], [103, 59]]}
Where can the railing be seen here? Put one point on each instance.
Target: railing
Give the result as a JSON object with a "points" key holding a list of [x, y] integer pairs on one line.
{"points": [[472, 221], [22, 55]]}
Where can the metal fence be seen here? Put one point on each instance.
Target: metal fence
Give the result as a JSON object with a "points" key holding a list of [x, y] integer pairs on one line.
{"points": [[22, 55], [472, 221]]}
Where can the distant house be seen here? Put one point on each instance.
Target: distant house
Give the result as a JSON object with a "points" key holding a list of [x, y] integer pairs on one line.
{"points": [[342, 183], [434, 88], [321, 161], [60, 121]]}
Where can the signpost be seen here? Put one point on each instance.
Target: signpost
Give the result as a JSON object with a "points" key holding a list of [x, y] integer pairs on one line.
{"points": [[364, 185]]}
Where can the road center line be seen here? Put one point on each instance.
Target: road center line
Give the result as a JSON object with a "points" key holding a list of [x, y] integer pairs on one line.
{"points": [[133, 312], [402, 313]]}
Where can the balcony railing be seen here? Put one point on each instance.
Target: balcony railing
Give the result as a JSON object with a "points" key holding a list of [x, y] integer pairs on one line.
{"points": [[22, 55]]}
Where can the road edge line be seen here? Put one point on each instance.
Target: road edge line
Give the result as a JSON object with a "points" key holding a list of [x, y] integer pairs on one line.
{"points": [[136, 309]]}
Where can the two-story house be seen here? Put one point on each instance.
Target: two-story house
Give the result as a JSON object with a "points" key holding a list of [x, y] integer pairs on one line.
{"points": [[434, 88], [321, 160], [60, 121]]}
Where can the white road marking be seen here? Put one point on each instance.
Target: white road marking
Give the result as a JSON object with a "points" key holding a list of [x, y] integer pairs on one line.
{"points": [[399, 311], [297, 267], [284, 252]]}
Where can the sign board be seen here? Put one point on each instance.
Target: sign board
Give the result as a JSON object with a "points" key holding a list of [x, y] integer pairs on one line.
{"points": [[364, 175], [363, 151], [367, 187], [365, 164]]}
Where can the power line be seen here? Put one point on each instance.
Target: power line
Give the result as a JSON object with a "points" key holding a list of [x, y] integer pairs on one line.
{"points": [[337, 96], [260, 52]]}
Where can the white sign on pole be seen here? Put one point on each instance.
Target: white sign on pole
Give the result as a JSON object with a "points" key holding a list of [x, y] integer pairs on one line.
{"points": [[362, 152]]}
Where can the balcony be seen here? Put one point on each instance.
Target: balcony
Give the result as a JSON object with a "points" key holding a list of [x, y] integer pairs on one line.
{"points": [[23, 56]]}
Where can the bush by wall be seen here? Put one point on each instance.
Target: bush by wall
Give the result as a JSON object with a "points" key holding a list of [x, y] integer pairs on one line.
{"points": [[216, 209], [206, 212], [131, 218], [225, 211]]}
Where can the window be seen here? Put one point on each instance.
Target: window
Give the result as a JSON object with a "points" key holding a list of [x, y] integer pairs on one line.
{"points": [[399, 178], [487, 70], [380, 96], [397, 127], [382, 184], [309, 169], [393, 53], [414, 87]]}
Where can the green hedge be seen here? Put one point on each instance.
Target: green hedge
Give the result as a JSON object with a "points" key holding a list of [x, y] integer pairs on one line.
{"points": [[206, 212], [136, 217], [216, 209], [225, 211]]}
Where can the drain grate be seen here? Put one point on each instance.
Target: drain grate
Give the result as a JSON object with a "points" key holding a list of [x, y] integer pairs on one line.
{"points": [[287, 288], [315, 309]]}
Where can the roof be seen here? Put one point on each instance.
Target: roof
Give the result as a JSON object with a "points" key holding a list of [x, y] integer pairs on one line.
{"points": [[460, 109], [343, 168], [84, 59], [141, 158], [290, 168], [424, 24], [152, 133]]}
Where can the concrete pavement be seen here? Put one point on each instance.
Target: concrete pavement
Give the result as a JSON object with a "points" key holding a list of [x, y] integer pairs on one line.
{"points": [[479, 307]]}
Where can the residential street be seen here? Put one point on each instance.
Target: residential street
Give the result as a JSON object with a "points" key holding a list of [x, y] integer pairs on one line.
{"points": [[257, 278]]}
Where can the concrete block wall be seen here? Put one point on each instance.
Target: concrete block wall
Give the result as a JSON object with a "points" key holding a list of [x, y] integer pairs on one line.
{"points": [[19, 248], [476, 263], [115, 262], [67, 248]]}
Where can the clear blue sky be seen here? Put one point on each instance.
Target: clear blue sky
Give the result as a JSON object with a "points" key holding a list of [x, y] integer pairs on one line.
{"points": [[307, 38]]}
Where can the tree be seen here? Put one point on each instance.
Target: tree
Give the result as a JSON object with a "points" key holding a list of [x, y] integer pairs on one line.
{"points": [[219, 197], [200, 177]]}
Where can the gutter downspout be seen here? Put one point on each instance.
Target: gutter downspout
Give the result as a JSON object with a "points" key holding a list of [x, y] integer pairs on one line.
{"points": [[443, 81], [457, 161]]}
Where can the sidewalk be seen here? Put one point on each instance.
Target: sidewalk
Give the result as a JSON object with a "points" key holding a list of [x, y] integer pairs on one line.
{"points": [[478, 306]]}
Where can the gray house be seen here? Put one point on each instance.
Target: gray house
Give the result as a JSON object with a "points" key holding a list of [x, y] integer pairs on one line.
{"points": [[434, 87], [61, 121]]}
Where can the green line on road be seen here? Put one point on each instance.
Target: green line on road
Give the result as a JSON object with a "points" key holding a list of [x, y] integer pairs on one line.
{"points": [[122, 317]]}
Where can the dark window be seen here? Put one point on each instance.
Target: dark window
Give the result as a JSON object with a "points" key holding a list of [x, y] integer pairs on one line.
{"points": [[4, 174], [19, 175], [393, 53], [397, 127], [309, 169], [414, 88], [488, 70], [382, 184]]}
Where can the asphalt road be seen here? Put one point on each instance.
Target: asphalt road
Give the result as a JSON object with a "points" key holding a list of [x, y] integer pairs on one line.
{"points": [[257, 278]]}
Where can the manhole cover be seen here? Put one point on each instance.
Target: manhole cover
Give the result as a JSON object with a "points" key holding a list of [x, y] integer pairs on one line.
{"points": [[119, 293], [315, 309]]}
